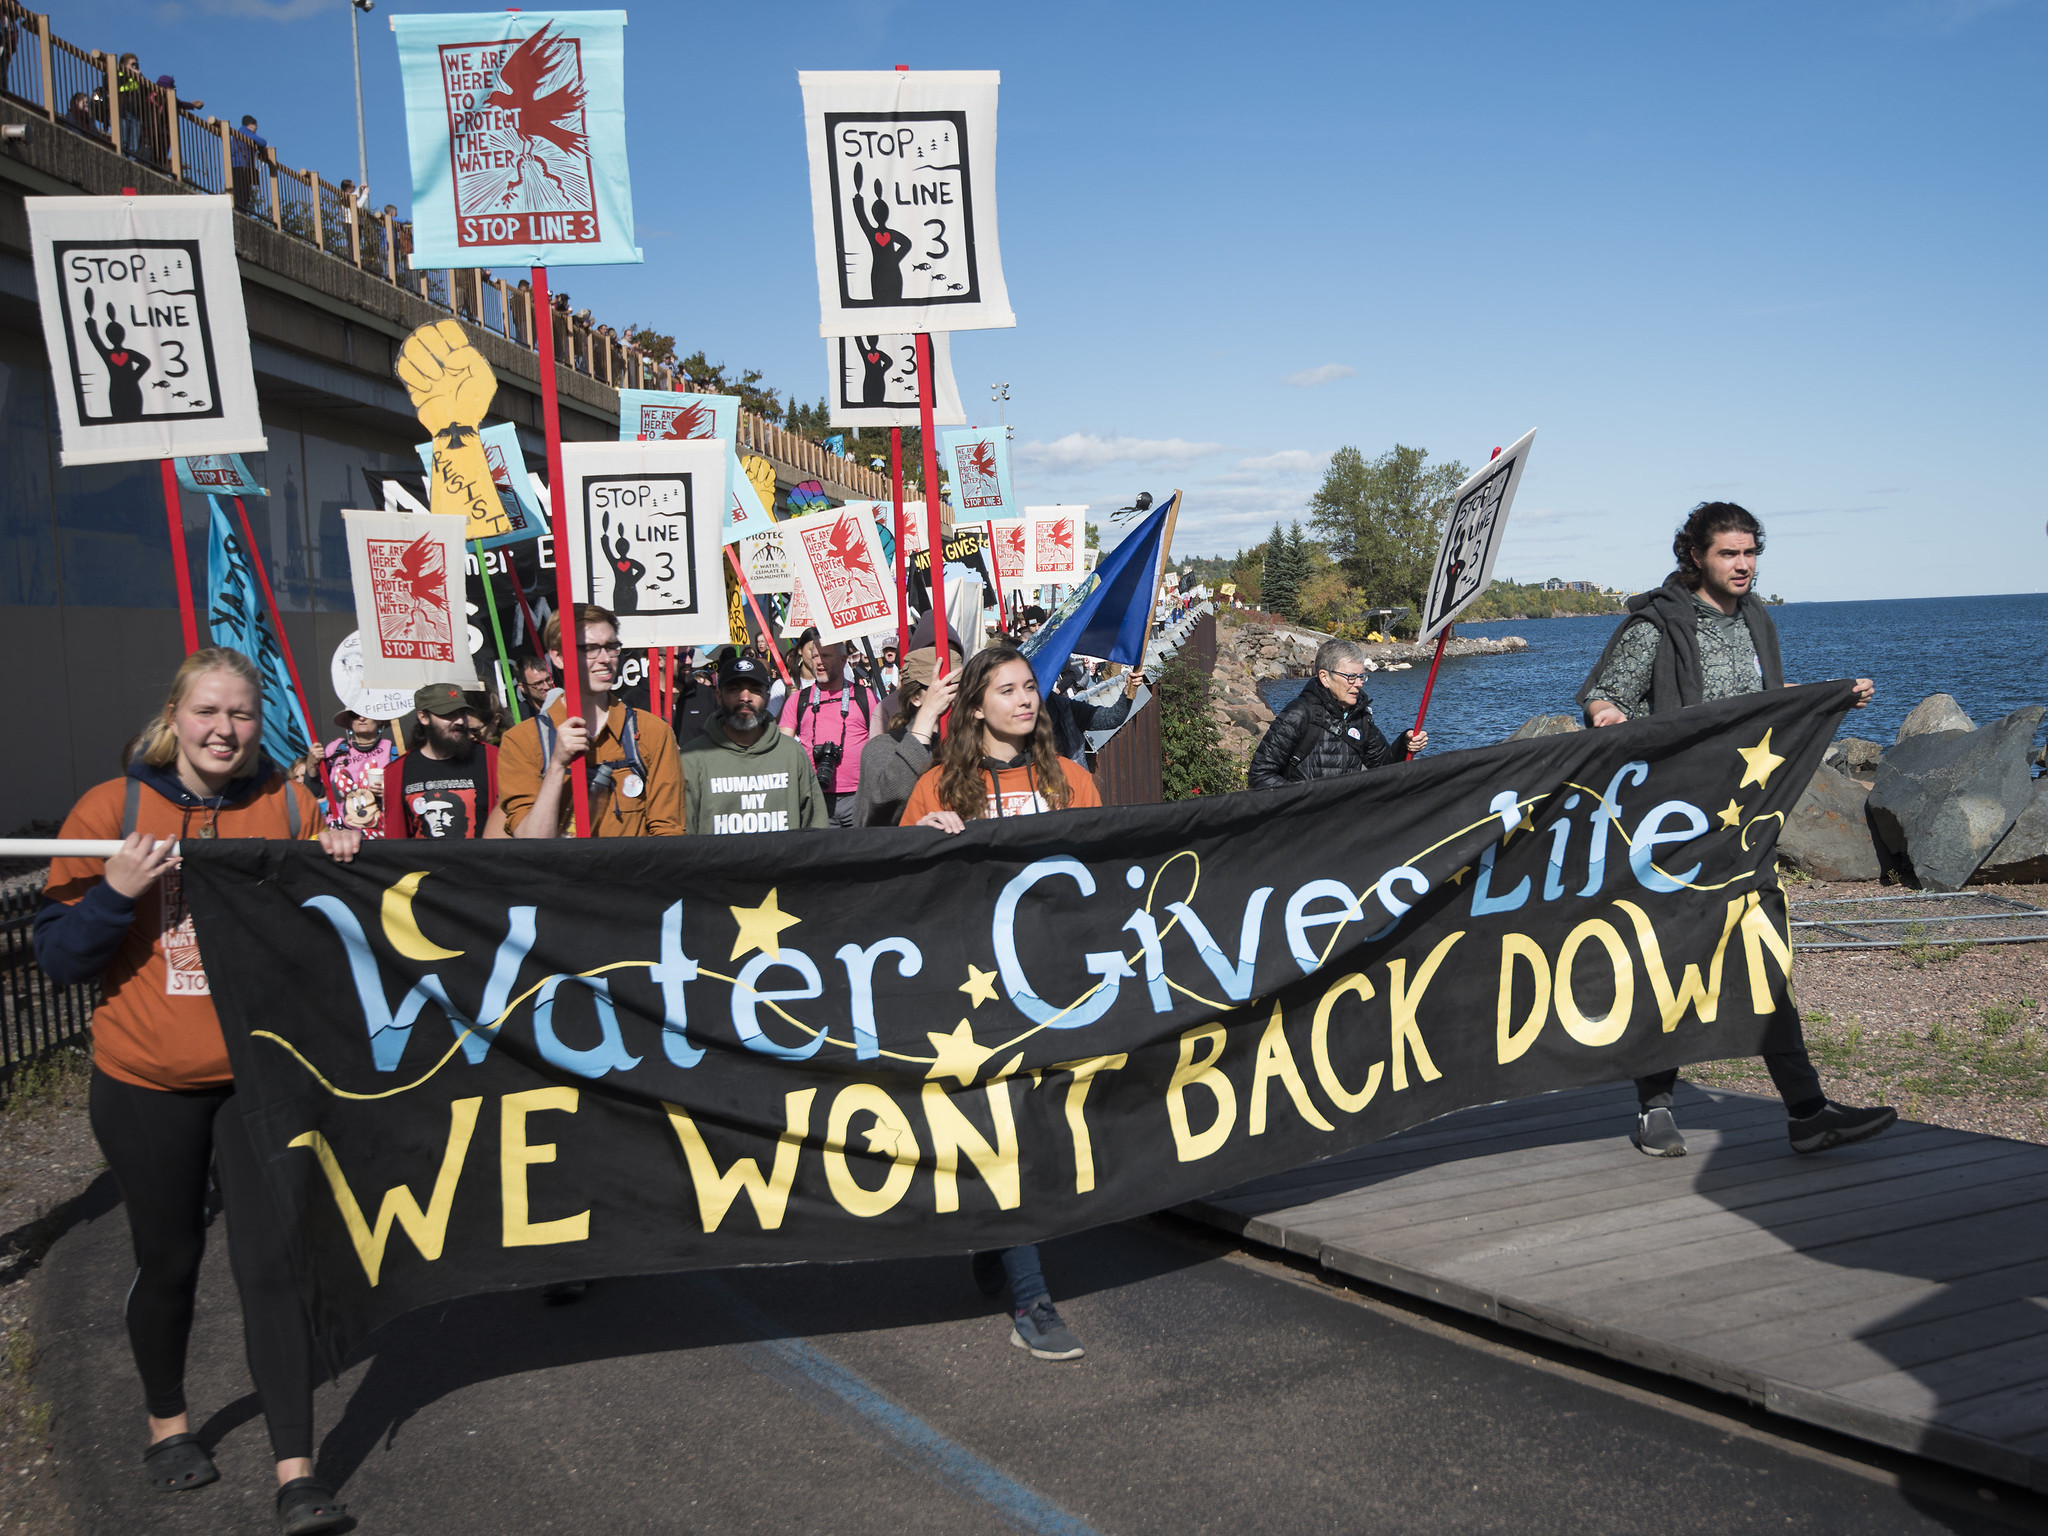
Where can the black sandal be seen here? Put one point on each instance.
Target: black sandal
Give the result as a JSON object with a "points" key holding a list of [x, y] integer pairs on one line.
{"points": [[178, 1462], [306, 1506]]}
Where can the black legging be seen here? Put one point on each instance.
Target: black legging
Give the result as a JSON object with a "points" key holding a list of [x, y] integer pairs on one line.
{"points": [[160, 1145]]}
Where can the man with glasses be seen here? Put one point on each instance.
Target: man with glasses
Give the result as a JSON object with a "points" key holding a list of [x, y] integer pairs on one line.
{"points": [[1328, 730], [627, 755]]}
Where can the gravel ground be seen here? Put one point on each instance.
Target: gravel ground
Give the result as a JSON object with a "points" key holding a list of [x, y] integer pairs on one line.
{"points": [[1953, 1035]]}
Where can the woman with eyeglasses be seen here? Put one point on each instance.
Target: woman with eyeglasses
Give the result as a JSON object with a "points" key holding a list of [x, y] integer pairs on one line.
{"points": [[998, 759], [1328, 729], [162, 1102]]}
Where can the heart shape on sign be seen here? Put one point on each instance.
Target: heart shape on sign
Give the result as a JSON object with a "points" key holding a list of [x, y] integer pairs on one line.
{"points": [[882, 238], [118, 359]]}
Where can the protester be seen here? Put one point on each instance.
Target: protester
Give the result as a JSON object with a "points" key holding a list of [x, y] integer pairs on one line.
{"points": [[892, 763], [890, 672], [248, 151], [354, 770], [998, 759], [162, 1100], [445, 787], [1328, 729], [164, 107], [626, 755], [742, 773], [537, 687], [696, 702], [80, 115], [1705, 635], [831, 717]]}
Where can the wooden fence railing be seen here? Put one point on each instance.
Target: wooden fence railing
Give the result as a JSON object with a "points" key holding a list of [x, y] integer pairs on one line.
{"points": [[86, 92]]}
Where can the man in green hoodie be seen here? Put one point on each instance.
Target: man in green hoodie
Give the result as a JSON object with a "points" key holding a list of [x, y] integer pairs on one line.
{"points": [[745, 773]]}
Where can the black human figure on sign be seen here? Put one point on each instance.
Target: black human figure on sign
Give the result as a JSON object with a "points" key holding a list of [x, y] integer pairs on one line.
{"points": [[874, 388], [626, 571], [888, 246], [125, 366]]}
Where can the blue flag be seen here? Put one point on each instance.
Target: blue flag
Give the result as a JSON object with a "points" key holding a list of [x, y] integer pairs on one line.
{"points": [[978, 459], [517, 126], [1106, 615], [217, 474], [674, 415], [240, 620]]}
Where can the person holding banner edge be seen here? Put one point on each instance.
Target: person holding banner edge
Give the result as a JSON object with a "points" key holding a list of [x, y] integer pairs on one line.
{"points": [[1705, 635], [162, 1102], [998, 759]]}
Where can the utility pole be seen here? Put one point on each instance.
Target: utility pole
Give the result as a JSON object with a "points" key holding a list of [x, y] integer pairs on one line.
{"points": [[1000, 394], [356, 47]]}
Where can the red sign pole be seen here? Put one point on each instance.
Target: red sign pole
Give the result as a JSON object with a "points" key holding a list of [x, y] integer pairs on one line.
{"points": [[755, 604], [277, 622], [935, 535], [994, 562], [902, 549], [1429, 684], [565, 589], [181, 564]]}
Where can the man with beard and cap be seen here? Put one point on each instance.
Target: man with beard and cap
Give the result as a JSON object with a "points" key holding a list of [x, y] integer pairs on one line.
{"points": [[744, 773], [445, 787]]}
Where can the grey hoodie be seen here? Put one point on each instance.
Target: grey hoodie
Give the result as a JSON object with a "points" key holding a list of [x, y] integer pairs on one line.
{"points": [[768, 787]]}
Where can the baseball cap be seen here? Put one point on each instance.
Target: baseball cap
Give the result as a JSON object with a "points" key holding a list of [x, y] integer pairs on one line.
{"points": [[441, 699], [742, 668]]}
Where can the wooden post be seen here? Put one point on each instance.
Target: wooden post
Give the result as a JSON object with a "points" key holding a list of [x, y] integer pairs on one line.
{"points": [[1158, 576], [276, 201], [565, 589], [390, 249], [174, 152], [42, 21], [354, 215], [113, 100], [227, 154]]}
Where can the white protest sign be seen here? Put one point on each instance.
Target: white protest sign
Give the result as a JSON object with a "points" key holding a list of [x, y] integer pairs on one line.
{"points": [[1012, 544], [871, 381], [346, 671], [1472, 534], [1058, 540], [410, 612], [644, 536], [765, 562], [144, 327], [847, 588], [903, 201]]}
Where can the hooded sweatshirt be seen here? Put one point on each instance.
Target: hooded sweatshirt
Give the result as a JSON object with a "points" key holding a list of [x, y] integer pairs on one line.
{"points": [[767, 787], [155, 1026]]}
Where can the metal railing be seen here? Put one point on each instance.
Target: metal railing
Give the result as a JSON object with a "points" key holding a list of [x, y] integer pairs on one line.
{"points": [[37, 1015], [86, 92]]}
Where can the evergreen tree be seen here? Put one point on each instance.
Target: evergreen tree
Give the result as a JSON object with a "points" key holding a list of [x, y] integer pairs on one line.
{"points": [[1277, 581]]}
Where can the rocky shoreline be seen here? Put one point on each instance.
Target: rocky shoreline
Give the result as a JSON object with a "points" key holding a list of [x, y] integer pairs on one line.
{"points": [[1273, 651]]}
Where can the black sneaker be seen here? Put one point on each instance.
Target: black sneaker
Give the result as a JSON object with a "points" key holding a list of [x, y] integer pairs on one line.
{"points": [[1656, 1134], [1039, 1329], [1838, 1125]]}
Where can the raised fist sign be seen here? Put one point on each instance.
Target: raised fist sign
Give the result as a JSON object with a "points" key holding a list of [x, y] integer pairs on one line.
{"points": [[452, 388]]}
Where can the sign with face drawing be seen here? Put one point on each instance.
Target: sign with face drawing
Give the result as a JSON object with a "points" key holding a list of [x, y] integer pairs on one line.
{"points": [[903, 206], [644, 536], [1472, 534], [144, 327], [872, 381]]}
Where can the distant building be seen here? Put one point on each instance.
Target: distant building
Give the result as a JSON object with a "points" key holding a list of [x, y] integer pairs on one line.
{"points": [[1554, 584]]}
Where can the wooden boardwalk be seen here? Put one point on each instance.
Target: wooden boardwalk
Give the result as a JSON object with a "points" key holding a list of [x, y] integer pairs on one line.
{"points": [[1892, 1291]]}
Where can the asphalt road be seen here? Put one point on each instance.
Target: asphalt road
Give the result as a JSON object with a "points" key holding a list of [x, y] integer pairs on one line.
{"points": [[1219, 1394]]}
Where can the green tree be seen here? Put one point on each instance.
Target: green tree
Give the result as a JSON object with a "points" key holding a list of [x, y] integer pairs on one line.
{"points": [[659, 348], [1382, 520], [712, 379], [1192, 759], [1277, 583]]}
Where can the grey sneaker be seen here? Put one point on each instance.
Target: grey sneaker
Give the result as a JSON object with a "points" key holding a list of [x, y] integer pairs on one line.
{"points": [[1656, 1134], [1038, 1328], [1837, 1125]]}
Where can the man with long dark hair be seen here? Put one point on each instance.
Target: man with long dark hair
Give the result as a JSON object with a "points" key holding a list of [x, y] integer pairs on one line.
{"points": [[1705, 635]]}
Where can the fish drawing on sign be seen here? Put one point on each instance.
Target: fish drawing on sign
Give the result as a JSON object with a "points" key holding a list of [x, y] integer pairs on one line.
{"points": [[888, 246], [537, 115]]}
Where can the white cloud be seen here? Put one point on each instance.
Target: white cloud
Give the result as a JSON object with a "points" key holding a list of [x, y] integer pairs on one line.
{"points": [[1084, 450], [1308, 378], [1288, 461], [265, 10]]}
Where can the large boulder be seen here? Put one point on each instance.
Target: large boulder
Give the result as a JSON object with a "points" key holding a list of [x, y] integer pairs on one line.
{"points": [[1942, 801], [1826, 834], [1547, 725], [1936, 712], [2021, 857], [1855, 756]]}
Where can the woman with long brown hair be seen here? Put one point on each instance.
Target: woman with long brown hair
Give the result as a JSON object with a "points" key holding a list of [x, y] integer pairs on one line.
{"points": [[162, 1101], [998, 759]]}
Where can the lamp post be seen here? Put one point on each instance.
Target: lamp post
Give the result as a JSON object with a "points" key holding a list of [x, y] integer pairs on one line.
{"points": [[356, 47]]}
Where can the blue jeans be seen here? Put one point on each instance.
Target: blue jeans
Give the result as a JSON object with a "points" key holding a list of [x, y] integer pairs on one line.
{"points": [[1027, 1280]]}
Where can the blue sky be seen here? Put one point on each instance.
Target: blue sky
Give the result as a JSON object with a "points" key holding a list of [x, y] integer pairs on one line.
{"points": [[1785, 254]]}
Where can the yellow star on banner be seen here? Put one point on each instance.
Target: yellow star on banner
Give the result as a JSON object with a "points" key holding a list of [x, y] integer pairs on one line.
{"points": [[760, 928], [884, 1138], [1459, 877], [956, 1054], [1732, 815], [1528, 821], [979, 985], [1761, 760]]}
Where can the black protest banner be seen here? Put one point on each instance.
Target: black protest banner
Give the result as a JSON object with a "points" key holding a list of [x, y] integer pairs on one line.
{"points": [[964, 546], [493, 1065]]}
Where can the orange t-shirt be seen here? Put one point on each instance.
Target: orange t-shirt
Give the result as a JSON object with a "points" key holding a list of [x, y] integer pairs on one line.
{"points": [[1015, 793], [155, 1026]]}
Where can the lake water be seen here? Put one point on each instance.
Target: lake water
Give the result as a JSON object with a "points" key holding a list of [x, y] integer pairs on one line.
{"points": [[1990, 652]]}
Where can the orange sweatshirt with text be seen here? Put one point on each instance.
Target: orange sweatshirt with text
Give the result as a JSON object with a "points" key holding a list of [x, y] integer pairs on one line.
{"points": [[1014, 793]]}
